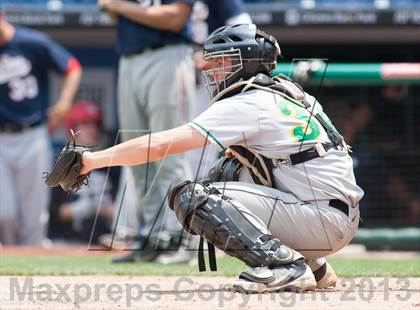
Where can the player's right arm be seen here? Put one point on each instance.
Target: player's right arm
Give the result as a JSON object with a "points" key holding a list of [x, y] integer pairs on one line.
{"points": [[69, 87], [224, 123], [53, 56], [148, 148]]}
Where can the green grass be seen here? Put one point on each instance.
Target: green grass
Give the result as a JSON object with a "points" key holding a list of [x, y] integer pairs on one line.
{"points": [[101, 265]]}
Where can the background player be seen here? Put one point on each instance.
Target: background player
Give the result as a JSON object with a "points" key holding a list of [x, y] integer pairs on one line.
{"points": [[207, 16], [26, 56], [155, 86], [307, 205], [72, 216]]}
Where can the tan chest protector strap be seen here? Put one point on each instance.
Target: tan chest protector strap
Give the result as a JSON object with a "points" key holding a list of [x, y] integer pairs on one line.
{"points": [[260, 167]]}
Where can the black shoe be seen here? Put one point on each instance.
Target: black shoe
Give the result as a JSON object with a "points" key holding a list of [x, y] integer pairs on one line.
{"points": [[140, 255], [150, 249]]}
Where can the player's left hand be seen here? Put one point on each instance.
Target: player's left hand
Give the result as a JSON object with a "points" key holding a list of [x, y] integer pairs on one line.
{"points": [[105, 4]]}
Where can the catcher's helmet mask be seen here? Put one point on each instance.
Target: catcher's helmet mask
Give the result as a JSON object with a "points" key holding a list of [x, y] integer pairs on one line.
{"points": [[242, 51], [217, 78]]}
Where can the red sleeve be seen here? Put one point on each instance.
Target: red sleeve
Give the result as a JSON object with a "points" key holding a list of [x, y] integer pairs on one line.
{"points": [[72, 64]]}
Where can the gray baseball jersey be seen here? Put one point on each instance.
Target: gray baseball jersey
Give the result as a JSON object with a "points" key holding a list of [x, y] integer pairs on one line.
{"points": [[273, 126]]}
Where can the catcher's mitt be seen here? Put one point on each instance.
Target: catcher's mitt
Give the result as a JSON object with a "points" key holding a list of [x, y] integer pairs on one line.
{"points": [[66, 170]]}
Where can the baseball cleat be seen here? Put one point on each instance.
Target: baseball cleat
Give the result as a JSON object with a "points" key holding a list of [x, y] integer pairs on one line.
{"points": [[296, 276], [136, 256], [182, 256], [328, 279]]}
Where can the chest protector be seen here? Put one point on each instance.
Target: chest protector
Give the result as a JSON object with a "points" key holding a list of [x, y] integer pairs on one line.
{"points": [[261, 167]]}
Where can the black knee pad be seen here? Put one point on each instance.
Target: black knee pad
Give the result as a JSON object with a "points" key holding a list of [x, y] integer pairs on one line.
{"points": [[203, 210], [220, 222], [184, 198]]}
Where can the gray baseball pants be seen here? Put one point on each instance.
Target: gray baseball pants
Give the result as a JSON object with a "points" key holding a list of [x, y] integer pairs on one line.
{"points": [[313, 229], [24, 197], [155, 89]]}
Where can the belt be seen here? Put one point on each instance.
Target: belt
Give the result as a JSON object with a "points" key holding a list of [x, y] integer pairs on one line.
{"points": [[14, 127], [340, 205]]}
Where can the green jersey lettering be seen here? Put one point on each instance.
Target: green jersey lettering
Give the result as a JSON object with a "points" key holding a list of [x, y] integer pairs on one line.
{"points": [[300, 114]]}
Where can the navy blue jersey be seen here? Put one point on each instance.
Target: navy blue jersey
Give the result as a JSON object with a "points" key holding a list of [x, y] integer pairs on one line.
{"points": [[24, 64], [221, 10], [134, 37], [208, 15]]}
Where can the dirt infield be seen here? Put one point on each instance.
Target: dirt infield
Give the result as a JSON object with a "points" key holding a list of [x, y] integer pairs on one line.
{"points": [[146, 292], [125, 292]]}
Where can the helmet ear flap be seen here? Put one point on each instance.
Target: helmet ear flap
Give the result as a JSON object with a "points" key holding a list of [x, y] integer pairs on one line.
{"points": [[262, 43], [269, 50]]}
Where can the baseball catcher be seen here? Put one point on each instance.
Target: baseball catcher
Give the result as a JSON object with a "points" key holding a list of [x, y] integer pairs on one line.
{"points": [[284, 196]]}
